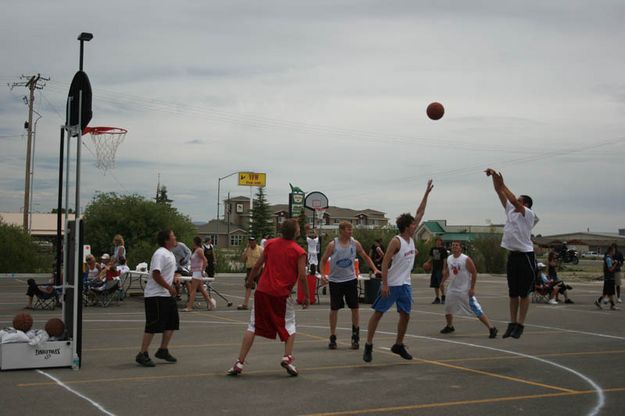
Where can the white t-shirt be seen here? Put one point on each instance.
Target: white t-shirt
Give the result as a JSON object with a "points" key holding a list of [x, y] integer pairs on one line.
{"points": [[123, 268], [313, 245], [164, 261], [459, 277], [517, 233], [403, 261]]}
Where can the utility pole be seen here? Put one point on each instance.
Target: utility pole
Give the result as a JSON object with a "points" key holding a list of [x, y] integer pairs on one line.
{"points": [[32, 83]]}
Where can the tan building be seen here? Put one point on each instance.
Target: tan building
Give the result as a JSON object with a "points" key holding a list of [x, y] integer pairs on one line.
{"points": [[41, 225], [582, 242], [366, 218], [233, 229]]}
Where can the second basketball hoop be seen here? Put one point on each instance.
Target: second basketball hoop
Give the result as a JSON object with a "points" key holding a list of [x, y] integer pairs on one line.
{"points": [[317, 202]]}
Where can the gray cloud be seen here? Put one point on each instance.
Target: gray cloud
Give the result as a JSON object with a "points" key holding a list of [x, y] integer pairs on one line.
{"points": [[331, 95]]}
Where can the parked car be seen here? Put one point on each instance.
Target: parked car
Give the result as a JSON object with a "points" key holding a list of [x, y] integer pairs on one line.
{"points": [[592, 255]]}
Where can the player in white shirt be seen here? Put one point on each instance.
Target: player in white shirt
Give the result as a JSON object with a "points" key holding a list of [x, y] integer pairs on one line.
{"points": [[396, 285], [517, 239], [161, 310], [459, 270], [312, 241]]}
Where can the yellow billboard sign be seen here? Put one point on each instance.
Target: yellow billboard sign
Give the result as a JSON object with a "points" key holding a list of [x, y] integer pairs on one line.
{"points": [[252, 179]]}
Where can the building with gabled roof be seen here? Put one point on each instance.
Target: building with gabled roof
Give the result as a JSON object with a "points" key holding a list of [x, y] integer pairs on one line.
{"points": [[440, 229]]}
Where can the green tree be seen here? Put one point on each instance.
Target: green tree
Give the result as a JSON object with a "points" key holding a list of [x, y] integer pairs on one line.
{"points": [[21, 253], [161, 196], [261, 216], [137, 219], [488, 255]]}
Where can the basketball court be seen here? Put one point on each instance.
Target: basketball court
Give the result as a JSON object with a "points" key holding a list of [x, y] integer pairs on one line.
{"points": [[570, 360]]}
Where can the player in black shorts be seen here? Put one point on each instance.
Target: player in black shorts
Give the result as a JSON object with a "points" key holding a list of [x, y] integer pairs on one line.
{"points": [[521, 267]]}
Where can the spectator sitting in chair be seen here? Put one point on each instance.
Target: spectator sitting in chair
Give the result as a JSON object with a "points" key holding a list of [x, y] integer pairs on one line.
{"points": [[44, 291], [556, 286], [93, 268]]}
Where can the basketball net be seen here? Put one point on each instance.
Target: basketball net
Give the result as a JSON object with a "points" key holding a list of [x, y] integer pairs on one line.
{"points": [[319, 213], [106, 140]]}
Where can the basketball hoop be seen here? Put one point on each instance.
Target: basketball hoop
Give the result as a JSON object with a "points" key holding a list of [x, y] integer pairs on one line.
{"points": [[317, 202], [106, 140]]}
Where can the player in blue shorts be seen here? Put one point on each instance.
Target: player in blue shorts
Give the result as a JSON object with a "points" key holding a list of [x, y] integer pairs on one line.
{"points": [[396, 286]]}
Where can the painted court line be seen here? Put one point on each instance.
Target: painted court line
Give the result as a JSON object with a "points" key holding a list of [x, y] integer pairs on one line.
{"points": [[457, 403], [82, 396], [595, 387]]}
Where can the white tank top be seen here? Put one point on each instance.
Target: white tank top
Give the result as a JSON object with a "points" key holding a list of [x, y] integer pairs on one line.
{"points": [[459, 277], [403, 261]]}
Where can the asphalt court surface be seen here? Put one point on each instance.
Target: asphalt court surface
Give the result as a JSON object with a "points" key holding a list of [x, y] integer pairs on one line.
{"points": [[570, 360]]}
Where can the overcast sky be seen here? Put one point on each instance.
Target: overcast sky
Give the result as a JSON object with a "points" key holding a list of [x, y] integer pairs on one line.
{"points": [[330, 95]]}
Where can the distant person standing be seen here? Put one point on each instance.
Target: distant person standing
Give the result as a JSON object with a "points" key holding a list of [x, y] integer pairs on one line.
{"points": [[182, 253], [609, 269], [377, 253], [618, 272], [273, 313], [461, 273], [161, 311], [119, 248], [517, 239], [209, 253], [250, 256], [312, 243], [198, 264], [438, 254]]}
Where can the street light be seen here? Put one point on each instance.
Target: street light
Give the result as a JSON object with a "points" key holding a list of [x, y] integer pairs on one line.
{"points": [[83, 37]]}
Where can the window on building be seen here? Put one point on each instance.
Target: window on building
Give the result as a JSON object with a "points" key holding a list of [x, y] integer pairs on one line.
{"points": [[280, 219], [236, 239], [336, 220]]}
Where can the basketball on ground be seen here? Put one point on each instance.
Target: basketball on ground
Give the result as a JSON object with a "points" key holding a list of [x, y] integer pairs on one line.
{"points": [[23, 322], [55, 327], [435, 111]]}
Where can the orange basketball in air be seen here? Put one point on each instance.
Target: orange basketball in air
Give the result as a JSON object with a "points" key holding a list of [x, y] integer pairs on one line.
{"points": [[435, 111]]}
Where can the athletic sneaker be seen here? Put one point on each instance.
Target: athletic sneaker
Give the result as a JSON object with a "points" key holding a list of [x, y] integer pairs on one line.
{"points": [[400, 349], [510, 329], [332, 344], [211, 305], [287, 364], [614, 308], [436, 301], [448, 329], [618, 300], [367, 356], [236, 369], [553, 302], [144, 359], [164, 354], [492, 332], [569, 301], [518, 330], [598, 305]]}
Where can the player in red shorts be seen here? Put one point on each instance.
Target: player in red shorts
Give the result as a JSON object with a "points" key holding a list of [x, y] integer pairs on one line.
{"points": [[273, 311]]}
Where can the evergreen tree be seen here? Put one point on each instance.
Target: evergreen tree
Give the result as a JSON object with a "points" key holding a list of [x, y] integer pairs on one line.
{"points": [[161, 196], [261, 216]]}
